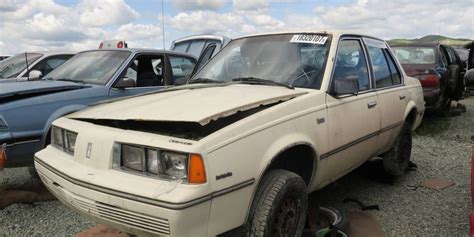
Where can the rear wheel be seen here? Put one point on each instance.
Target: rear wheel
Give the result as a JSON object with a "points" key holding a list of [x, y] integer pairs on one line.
{"points": [[279, 206], [397, 159]]}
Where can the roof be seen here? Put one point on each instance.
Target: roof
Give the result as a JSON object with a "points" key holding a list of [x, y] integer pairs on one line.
{"points": [[335, 33], [434, 44], [201, 36]]}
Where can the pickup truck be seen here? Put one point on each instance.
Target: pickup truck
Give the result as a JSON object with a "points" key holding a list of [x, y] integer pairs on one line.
{"points": [[268, 120]]}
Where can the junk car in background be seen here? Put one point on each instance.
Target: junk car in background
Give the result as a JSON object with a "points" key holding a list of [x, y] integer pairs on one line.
{"points": [[27, 109], [32, 65], [439, 69]]}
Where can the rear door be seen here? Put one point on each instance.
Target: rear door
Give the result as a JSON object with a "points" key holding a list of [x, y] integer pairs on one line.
{"points": [[391, 93], [353, 120]]}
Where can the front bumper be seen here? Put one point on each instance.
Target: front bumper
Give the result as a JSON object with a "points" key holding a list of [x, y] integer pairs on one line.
{"points": [[126, 212]]}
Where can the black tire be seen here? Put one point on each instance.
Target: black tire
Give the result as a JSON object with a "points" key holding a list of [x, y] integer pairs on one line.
{"points": [[444, 101], [397, 159], [279, 206], [33, 172], [453, 80]]}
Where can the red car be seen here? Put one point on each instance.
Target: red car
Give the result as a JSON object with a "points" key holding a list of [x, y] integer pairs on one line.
{"points": [[439, 69]]}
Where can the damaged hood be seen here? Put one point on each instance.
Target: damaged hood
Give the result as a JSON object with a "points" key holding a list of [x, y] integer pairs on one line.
{"points": [[200, 105], [31, 88]]}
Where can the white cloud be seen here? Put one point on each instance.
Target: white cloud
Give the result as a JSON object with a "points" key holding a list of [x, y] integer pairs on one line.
{"points": [[250, 5], [403, 18], [106, 12], [207, 22], [199, 4]]}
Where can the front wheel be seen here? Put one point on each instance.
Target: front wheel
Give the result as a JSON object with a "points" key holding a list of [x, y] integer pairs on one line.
{"points": [[397, 159], [279, 206]]}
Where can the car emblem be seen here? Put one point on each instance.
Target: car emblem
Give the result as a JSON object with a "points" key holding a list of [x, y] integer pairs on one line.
{"points": [[89, 149]]}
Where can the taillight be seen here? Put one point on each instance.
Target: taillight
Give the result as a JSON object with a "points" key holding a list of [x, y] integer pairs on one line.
{"points": [[429, 80], [120, 45]]}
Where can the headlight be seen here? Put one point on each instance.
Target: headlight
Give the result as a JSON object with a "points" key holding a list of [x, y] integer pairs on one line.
{"points": [[163, 164], [63, 139]]}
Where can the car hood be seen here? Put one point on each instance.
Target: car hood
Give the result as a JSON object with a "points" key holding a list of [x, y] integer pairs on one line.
{"points": [[201, 105], [20, 90]]}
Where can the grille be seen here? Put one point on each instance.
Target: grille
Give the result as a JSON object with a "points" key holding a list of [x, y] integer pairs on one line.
{"points": [[115, 214]]}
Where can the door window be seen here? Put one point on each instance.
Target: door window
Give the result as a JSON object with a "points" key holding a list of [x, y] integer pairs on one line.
{"points": [[49, 64], [146, 70], [181, 67], [351, 64], [380, 67], [394, 72]]}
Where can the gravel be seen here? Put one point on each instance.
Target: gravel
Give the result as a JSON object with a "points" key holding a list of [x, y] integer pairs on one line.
{"points": [[441, 149]]}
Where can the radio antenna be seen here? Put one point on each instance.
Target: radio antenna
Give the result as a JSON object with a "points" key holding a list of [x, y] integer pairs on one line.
{"points": [[27, 67], [163, 22]]}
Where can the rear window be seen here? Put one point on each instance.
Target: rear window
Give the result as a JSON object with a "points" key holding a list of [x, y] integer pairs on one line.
{"points": [[415, 55]]}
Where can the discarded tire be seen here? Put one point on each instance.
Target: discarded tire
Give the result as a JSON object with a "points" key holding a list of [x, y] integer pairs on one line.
{"points": [[331, 221]]}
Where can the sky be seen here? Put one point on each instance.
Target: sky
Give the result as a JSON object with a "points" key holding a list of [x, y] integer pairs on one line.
{"points": [[29, 25]]}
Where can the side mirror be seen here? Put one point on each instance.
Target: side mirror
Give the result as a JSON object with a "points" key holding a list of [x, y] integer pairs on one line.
{"points": [[125, 82], [346, 86], [469, 77], [35, 75]]}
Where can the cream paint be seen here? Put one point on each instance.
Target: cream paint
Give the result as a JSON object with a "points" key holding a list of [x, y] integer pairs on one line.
{"points": [[239, 152]]}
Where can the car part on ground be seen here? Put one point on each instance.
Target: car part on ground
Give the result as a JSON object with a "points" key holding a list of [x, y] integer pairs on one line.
{"points": [[330, 220]]}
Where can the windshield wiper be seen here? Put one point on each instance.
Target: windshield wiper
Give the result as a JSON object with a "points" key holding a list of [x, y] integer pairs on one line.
{"points": [[204, 80], [254, 80], [67, 79]]}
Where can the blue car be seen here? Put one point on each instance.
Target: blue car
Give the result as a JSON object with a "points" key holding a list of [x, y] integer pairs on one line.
{"points": [[27, 109]]}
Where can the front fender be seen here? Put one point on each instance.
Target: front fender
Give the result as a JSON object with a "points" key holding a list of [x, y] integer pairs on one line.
{"points": [[57, 114]]}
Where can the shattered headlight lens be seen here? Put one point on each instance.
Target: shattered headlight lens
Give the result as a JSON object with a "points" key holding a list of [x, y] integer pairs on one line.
{"points": [[63, 139], [160, 163]]}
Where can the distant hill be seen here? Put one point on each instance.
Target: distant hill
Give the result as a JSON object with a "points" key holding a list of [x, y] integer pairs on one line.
{"points": [[432, 39]]}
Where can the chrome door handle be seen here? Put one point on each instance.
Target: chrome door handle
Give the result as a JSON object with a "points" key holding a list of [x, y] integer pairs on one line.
{"points": [[371, 104], [402, 96]]}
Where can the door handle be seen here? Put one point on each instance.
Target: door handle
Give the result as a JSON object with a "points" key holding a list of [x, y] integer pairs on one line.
{"points": [[402, 96], [371, 104]]}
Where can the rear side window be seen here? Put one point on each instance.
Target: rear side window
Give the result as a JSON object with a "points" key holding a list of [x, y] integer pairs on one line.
{"points": [[394, 72], [181, 67], [351, 63], [380, 67]]}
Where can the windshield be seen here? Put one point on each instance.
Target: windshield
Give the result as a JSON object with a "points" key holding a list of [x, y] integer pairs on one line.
{"points": [[92, 67], [289, 59], [12, 67], [415, 55]]}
